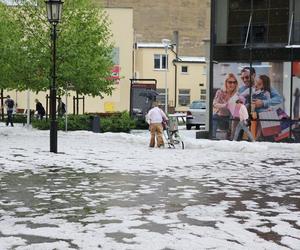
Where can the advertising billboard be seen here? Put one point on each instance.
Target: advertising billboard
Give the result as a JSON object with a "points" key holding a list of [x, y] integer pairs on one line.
{"points": [[270, 92]]}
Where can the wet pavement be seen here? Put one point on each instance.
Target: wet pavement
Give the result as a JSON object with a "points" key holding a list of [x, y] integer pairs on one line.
{"points": [[224, 205]]}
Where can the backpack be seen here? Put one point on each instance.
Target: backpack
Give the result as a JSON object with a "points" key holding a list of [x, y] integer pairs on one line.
{"points": [[10, 103]]}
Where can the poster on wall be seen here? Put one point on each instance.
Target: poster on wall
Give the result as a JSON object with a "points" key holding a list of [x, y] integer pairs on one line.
{"points": [[296, 91], [264, 88]]}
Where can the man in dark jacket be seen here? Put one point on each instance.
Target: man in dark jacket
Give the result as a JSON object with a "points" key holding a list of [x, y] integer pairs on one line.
{"points": [[61, 108], [39, 109], [9, 103]]}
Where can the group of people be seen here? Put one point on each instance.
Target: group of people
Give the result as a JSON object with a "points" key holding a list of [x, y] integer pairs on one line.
{"points": [[255, 94], [39, 109]]}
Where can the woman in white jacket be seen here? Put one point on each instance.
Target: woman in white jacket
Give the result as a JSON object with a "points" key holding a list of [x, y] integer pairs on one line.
{"points": [[155, 117]]}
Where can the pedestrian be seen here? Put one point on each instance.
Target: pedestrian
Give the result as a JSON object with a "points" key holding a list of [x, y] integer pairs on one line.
{"points": [[61, 108], [40, 111], [9, 104], [155, 117], [243, 123]]}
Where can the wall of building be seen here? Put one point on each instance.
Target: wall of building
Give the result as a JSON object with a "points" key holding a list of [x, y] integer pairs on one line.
{"points": [[145, 69], [122, 29], [156, 19], [195, 79]]}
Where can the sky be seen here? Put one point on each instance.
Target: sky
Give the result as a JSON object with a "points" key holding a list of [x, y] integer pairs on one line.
{"points": [[111, 191]]}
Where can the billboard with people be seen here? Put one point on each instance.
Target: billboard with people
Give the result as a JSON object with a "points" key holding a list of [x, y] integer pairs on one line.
{"points": [[269, 91]]}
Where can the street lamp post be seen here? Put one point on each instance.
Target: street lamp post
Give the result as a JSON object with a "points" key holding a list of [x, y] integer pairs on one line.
{"points": [[54, 10], [166, 43]]}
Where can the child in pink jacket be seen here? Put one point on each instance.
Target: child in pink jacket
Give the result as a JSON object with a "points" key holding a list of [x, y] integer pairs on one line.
{"points": [[243, 124]]}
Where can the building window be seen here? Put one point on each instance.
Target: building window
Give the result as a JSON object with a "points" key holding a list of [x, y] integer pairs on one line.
{"points": [[116, 55], [161, 97], [184, 69], [203, 94], [184, 97], [204, 72], [269, 23], [160, 62]]}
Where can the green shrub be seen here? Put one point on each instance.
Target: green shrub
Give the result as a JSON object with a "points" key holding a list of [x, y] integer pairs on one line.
{"points": [[41, 124], [141, 124], [20, 118], [75, 122], [120, 122]]}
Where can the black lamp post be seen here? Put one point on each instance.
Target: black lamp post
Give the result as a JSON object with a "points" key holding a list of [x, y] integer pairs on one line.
{"points": [[54, 9]]}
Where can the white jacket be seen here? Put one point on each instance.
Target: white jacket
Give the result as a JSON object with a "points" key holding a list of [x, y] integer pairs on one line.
{"points": [[156, 115]]}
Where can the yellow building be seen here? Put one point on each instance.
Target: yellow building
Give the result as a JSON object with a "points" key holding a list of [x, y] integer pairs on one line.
{"points": [[122, 30], [183, 77], [186, 76]]}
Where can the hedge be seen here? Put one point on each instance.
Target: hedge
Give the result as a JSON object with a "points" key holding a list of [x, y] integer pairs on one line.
{"points": [[118, 122]]}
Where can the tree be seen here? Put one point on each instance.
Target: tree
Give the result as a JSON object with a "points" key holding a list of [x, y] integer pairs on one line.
{"points": [[84, 49], [10, 37]]}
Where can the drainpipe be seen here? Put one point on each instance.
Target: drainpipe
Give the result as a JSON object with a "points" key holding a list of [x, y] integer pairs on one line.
{"points": [[176, 40], [175, 95], [177, 59]]}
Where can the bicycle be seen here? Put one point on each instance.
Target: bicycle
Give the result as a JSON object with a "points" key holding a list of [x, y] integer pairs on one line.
{"points": [[172, 135]]}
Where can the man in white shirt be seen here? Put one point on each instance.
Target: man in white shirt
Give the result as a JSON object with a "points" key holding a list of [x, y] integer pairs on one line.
{"points": [[243, 113], [155, 117]]}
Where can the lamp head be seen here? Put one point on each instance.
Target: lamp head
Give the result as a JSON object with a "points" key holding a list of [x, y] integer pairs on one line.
{"points": [[54, 10], [166, 42]]}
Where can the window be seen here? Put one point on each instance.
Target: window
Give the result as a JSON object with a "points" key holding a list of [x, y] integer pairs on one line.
{"points": [[269, 23], [184, 97], [161, 97], [203, 94], [204, 72], [116, 56], [160, 62], [184, 69]]}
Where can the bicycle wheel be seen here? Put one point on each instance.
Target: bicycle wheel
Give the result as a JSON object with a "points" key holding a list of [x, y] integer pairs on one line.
{"points": [[178, 140], [178, 143]]}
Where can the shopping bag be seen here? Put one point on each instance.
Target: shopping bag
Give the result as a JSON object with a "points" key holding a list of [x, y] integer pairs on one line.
{"points": [[269, 127]]}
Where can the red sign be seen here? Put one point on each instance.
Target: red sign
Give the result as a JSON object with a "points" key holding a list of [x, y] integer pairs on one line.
{"points": [[296, 69], [116, 73]]}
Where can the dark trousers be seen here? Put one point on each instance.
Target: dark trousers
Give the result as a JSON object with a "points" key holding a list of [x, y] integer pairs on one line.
{"points": [[219, 122], [9, 118]]}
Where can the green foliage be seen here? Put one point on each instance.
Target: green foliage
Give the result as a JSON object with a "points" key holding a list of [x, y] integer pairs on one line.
{"points": [[20, 118], [41, 124], [10, 44], [141, 124], [120, 122], [75, 122], [84, 50]]}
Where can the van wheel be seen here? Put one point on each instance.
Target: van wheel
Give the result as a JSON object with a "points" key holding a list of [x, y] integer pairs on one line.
{"points": [[188, 126]]}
